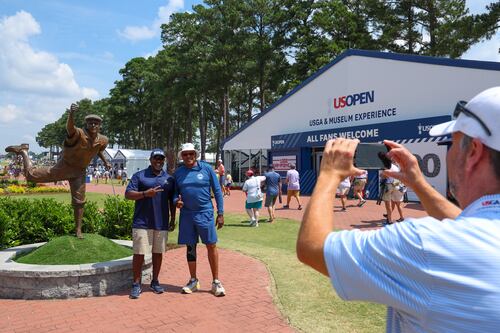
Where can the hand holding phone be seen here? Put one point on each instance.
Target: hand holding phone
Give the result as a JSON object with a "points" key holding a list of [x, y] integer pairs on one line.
{"points": [[372, 156]]}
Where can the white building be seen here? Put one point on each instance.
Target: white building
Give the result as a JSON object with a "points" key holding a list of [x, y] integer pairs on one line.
{"points": [[132, 159], [361, 94]]}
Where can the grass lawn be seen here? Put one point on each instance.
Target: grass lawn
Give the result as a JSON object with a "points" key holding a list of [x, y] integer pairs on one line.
{"points": [[65, 197], [69, 250], [304, 296]]}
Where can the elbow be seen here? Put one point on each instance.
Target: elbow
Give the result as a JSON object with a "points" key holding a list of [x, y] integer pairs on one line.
{"points": [[302, 251]]}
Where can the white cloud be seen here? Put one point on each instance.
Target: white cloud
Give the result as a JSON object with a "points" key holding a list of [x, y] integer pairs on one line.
{"points": [[35, 86], [25, 70], [136, 33], [9, 113]]}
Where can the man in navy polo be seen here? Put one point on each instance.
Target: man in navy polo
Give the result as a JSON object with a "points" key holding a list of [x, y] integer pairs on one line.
{"points": [[194, 180], [153, 190]]}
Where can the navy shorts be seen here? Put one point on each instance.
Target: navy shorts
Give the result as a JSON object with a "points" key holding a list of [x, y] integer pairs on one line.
{"points": [[196, 225]]}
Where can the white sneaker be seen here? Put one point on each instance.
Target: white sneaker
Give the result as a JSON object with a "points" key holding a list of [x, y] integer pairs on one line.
{"points": [[217, 289], [252, 222], [192, 285]]}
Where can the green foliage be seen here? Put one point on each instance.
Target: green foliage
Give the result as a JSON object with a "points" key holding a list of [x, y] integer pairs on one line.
{"points": [[117, 218], [69, 250], [92, 218], [26, 221]]}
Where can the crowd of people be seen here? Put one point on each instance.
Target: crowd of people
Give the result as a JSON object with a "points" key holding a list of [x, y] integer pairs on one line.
{"points": [[102, 174]]}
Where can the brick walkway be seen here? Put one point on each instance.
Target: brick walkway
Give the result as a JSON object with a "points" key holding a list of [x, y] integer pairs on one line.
{"points": [[248, 307]]}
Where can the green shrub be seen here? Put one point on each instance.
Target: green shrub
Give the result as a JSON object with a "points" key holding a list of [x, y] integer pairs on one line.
{"points": [[26, 221], [92, 218], [118, 216], [9, 230]]}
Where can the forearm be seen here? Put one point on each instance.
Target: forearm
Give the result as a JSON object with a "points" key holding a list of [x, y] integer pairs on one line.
{"points": [[102, 157], [135, 195], [317, 223], [434, 203], [173, 209], [70, 125]]}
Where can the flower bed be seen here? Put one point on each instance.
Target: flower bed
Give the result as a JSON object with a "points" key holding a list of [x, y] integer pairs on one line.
{"points": [[20, 189]]}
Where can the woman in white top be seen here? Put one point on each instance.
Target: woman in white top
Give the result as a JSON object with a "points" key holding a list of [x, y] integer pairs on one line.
{"points": [[343, 190], [254, 197]]}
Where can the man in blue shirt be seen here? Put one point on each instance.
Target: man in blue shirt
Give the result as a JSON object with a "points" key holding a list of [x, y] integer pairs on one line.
{"points": [[273, 190], [153, 192], [440, 273], [194, 180]]}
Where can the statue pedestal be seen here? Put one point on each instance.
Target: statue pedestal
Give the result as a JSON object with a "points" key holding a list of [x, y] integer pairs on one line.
{"points": [[22, 281]]}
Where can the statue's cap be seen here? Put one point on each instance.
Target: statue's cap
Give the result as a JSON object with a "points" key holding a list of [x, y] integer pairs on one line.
{"points": [[93, 117]]}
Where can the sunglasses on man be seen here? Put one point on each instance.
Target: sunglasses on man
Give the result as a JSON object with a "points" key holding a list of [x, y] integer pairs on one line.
{"points": [[460, 108]]}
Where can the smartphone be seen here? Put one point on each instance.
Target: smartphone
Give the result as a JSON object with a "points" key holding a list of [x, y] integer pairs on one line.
{"points": [[372, 156]]}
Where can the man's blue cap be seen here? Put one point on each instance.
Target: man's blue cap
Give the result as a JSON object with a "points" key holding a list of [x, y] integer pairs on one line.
{"points": [[157, 152]]}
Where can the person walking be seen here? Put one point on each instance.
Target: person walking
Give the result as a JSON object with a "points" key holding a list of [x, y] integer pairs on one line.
{"points": [[273, 191], [342, 191], [254, 198], [194, 181], [221, 172], [152, 189], [359, 186], [293, 186], [392, 196], [228, 184], [438, 273]]}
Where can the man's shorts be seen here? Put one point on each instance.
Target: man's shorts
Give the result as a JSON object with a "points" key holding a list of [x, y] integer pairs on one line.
{"points": [[148, 240], [343, 190], [359, 184], [270, 200], [293, 193], [257, 205], [196, 225], [392, 194]]}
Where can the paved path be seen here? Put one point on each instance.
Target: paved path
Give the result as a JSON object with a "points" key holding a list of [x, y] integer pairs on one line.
{"points": [[248, 306]]}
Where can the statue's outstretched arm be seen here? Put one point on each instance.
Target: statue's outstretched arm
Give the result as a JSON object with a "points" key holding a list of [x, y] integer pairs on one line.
{"points": [[70, 124]]}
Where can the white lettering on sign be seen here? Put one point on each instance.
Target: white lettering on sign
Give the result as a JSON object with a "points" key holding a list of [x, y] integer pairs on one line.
{"points": [[382, 113]]}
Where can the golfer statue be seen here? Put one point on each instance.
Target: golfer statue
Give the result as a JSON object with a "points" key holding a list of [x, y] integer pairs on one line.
{"points": [[80, 147]]}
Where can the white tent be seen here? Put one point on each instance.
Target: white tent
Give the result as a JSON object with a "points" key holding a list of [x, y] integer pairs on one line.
{"points": [[132, 159]]}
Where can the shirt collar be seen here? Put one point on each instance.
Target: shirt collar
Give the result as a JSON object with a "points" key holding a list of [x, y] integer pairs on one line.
{"points": [[149, 171], [487, 203]]}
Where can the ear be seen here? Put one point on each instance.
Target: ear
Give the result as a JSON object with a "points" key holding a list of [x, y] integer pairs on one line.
{"points": [[474, 155]]}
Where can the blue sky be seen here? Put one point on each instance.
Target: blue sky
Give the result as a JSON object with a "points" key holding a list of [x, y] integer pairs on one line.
{"points": [[54, 52]]}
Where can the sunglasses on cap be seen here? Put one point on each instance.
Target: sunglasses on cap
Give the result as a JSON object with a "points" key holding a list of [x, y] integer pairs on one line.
{"points": [[460, 108]]}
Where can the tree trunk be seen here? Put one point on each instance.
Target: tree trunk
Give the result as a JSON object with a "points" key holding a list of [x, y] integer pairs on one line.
{"points": [[202, 125]]}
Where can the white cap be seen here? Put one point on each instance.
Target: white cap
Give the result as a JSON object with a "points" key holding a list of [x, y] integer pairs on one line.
{"points": [[486, 106], [187, 147]]}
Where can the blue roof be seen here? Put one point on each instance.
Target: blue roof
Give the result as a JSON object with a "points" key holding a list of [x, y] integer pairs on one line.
{"points": [[474, 64]]}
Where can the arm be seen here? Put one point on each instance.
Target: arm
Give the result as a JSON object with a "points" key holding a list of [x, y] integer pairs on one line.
{"points": [[318, 220], [218, 198], [139, 195], [70, 123], [106, 163], [434, 203], [172, 207]]}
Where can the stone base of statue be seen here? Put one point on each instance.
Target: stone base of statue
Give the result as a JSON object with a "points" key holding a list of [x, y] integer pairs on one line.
{"points": [[23, 281]]}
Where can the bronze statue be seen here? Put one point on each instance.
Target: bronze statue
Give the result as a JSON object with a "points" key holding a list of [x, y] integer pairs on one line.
{"points": [[80, 147]]}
